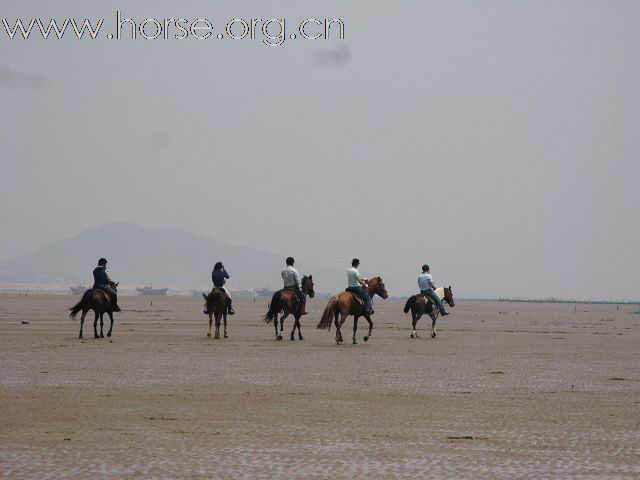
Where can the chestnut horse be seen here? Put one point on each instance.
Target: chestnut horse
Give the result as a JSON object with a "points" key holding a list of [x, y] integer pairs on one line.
{"points": [[420, 304], [100, 302], [216, 306], [286, 301], [344, 304]]}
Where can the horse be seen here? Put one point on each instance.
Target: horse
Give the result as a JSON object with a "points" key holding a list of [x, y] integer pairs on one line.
{"points": [[420, 304], [216, 304], [286, 301], [100, 302], [345, 304]]}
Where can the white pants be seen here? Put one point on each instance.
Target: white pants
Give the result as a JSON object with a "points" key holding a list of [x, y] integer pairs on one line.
{"points": [[226, 290]]}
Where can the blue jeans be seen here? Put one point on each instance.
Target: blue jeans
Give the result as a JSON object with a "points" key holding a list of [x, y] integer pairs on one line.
{"points": [[364, 296], [436, 300]]}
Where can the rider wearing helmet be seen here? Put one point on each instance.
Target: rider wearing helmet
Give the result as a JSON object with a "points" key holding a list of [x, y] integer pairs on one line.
{"points": [[356, 285], [102, 281], [292, 281], [219, 277]]}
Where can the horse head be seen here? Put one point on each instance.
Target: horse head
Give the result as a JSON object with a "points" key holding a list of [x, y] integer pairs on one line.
{"points": [[448, 296], [307, 286], [377, 286]]}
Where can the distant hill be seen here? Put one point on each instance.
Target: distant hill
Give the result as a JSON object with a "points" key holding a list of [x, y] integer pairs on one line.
{"points": [[168, 257]]}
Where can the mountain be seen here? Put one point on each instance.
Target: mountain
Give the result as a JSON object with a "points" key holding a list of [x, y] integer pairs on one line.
{"points": [[166, 256]]}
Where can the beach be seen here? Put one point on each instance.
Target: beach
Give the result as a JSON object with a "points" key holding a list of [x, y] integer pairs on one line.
{"points": [[506, 390]]}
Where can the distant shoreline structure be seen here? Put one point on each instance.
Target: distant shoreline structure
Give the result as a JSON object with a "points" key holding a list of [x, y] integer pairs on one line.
{"points": [[66, 289], [149, 290]]}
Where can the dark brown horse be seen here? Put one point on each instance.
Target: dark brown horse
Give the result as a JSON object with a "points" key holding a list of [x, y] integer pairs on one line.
{"points": [[100, 302], [286, 301], [216, 303], [420, 305], [345, 304]]}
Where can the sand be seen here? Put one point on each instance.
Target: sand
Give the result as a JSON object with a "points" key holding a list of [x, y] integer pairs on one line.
{"points": [[505, 391]]}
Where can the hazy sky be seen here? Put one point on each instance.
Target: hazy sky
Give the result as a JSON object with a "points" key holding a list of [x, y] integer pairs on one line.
{"points": [[498, 141]]}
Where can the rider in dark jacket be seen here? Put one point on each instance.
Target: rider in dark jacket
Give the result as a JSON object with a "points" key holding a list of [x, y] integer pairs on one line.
{"points": [[102, 281]]}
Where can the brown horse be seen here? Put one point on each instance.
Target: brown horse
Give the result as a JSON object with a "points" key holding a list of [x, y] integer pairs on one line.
{"points": [[419, 305], [100, 302], [346, 304], [216, 303], [286, 301]]}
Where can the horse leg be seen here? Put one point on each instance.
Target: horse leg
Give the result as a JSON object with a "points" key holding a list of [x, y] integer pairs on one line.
{"points": [[293, 330], [355, 327], [433, 325], [343, 317], [299, 331], [224, 318], [368, 336], [110, 326], [95, 326], [279, 335], [416, 316], [210, 322], [275, 325], [84, 314], [101, 325], [217, 334]]}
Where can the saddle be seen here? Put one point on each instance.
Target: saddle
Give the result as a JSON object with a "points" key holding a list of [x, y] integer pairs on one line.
{"points": [[356, 297], [429, 305]]}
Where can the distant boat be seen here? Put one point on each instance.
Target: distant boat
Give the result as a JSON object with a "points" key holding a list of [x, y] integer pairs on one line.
{"points": [[149, 290], [79, 290], [264, 292]]}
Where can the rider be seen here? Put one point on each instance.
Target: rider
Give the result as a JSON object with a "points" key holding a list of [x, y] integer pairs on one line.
{"points": [[427, 287], [357, 284], [292, 281], [219, 277], [102, 281]]}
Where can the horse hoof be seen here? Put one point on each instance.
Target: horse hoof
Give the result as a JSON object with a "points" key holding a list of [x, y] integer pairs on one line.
{"points": [[300, 338], [101, 336], [96, 336], [433, 335], [226, 336], [217, 337], [413, 335], [292, 338], [355, 343], [208, 335], [279, 337], [366, 339], [109, 334]]}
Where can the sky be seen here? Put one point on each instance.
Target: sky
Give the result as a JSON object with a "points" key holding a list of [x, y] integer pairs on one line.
{"points": [[495, 140]]}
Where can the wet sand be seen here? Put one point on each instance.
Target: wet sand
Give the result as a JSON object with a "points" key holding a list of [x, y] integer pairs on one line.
{"points": [[506, 390]]}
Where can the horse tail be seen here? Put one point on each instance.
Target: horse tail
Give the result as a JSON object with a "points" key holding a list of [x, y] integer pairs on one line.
{"points": [[328, 314], [411, 301], [274, 308], [79, 306]]}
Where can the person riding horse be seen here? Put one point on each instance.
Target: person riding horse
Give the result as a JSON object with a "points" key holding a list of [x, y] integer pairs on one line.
{"points": [[427, 288], [292, 281], [219, 277], [356, 284], [102, 281]]}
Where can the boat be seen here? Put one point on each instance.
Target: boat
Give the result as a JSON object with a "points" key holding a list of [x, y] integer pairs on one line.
{"points": [[149, 290], [79, 290]]}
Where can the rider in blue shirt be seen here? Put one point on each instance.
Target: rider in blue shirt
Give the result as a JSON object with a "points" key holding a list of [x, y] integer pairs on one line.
{"points": [[219, 277], [102, 281]]}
